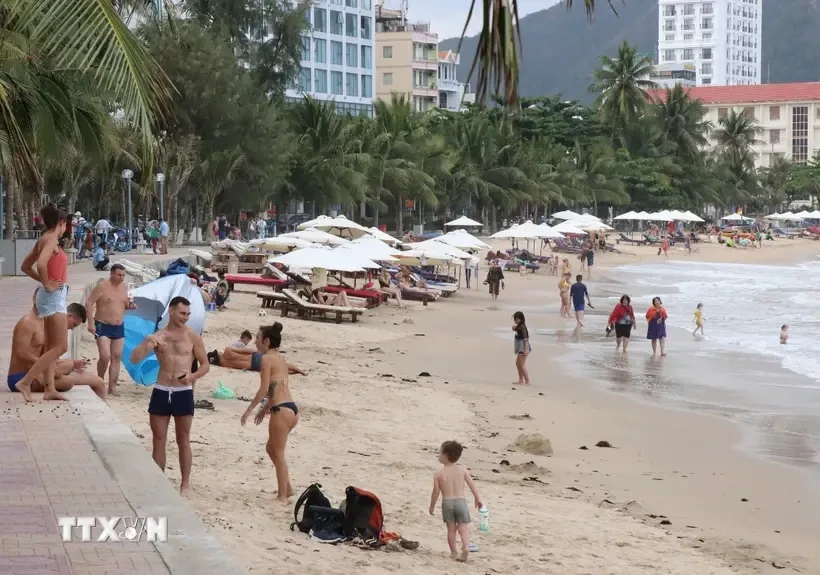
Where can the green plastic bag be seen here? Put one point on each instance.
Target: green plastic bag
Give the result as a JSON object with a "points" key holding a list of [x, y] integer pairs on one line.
{"points": [[222, 392]]}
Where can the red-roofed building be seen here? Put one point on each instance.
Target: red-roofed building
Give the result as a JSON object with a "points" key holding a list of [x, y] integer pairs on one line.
{"points": [[788, 115]]}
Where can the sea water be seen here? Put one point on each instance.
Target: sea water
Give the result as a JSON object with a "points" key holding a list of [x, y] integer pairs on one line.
{"points": [[744, 305]]}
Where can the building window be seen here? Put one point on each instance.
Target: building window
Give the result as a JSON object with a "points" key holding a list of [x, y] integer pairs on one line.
{"points": [[774, 136], [352, 51], [706, 54], [320, 81], [800, 134], [688, 54], [670, 37], [367, 57], [706, 68], [387, 79], [669, 55], [336, 2], [367, 86], [387, 51], [706, 36], [305, 49], [686, 37], [320, 51], [304, 80], [367, 27], [688, 24], [336, 53], [367, 4], [706, 24], [688, 9], [669, 26], [668, 10], [336, 83], [749, 112], [706, 8], [352, 85], [706, 81], [320, 20], [336, 22], [774, 112], [351, 3], [723, 112], [350, 26]]}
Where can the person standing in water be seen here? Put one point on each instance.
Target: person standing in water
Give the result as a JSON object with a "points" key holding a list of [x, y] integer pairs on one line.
{"points": [[563, 290], [698, 319], [622, 319], [656, 330], [579, 294], [176, 347], [284, 413], [784, 334], [47, 264], [522, 348]]}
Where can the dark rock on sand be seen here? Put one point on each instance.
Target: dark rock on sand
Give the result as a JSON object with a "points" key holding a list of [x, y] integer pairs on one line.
{"points": [[424, 374], [584, 448], [666, 522], [603, 443], [744, 500], [574, 489], [520, 417], [504, 462]]}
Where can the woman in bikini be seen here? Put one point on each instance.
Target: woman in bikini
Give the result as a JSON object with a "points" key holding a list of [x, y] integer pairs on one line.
{"points": [[284, 414], [47, 264], [563, 289]]}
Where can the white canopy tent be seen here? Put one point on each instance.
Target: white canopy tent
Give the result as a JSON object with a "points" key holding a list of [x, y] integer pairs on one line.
{"points": [[316, 236], [317, 257], [589, 225], [790, 217], [437, 247], [525, 231], [464, 222], [804, 214], [815, 215], [643, 216], [774, 216], [565, 215]]}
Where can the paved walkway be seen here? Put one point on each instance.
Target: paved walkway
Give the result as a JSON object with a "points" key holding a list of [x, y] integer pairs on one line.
{"points": [[49, 468]]}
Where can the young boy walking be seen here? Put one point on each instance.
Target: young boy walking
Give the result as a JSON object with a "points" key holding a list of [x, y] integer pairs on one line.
{"points": [[449, 483]]}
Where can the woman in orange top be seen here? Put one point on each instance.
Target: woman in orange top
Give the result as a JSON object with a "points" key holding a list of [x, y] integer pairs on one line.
{"points": [[656, 316], [52, 272]]}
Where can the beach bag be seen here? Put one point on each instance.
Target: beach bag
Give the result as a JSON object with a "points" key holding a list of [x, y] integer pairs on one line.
{"points": [[222, 392], [310, 499], [363, 515]]}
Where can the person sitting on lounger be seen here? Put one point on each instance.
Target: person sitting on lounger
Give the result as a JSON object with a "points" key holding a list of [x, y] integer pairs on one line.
{"points": [[386, 285]]}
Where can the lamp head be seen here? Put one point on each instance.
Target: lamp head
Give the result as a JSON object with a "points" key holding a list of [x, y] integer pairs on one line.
{"points": [[160, 177], [127, 174]]}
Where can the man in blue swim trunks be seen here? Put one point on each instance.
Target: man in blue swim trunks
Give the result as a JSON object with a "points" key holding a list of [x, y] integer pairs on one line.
{"points": [[106, 323], [27, 344], [579, 295]]}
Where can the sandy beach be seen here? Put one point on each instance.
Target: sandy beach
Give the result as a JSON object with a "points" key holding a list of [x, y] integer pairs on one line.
{"points": [[677, 494]]}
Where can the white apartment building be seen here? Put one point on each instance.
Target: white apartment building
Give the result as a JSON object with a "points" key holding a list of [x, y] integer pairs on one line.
{"points": [[787, 115], [451, 92], [337, 55], [722, 38]]}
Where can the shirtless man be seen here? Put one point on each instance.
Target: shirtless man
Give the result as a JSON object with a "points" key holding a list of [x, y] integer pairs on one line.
{"points": [[27, 345], [106, 323], [176, 346]]}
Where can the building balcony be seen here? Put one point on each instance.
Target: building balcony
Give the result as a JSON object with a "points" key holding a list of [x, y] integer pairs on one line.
{"points": [[449, 85], [425, 91], [422, 64]]}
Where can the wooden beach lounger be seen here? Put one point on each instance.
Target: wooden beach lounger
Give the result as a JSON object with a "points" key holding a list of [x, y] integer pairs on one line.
{"points": [[372, 298], [234, 279], [271, 298], [633, 241], [308, 310]]}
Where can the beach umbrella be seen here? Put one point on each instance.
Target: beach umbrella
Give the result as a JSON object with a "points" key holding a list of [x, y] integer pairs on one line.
{"points": [[425, 258], [662, 216], [370, 248], [464, 222], [643, 216], [568, 229], [803, 214], [774, 216], [548, 233], [312, 223], [627, 216], [316, 257], [737, 218], [589, 225], [342, 227], [386, 238], [463, 240], [788, 216], [436, 247], [565, 215], [691, 217], [814, 215], [281, 243], [316, 237], [525, 231]]}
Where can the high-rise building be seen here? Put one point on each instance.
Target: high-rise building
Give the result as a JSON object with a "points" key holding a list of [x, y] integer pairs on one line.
{"points": [[337, 55], [722, 38], [406, 59]]}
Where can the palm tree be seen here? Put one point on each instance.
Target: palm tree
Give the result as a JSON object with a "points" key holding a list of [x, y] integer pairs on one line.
{"points": [[681, 120], [623, 82], [735, 137], [496, 58], [594, 178], [216, 172]]}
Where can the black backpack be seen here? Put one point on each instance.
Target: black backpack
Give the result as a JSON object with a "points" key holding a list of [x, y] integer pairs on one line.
{"points": [[311, 497]]}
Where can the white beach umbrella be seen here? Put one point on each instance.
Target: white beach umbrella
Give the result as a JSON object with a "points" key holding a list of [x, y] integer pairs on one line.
{"points": [[774, 216], [548, 233], [343, 227], [567, 228], [737, 218], [317, 257], [814, 215], [312, 223], [464, 222], [803, 214], [589, 225], [692, 217], [437, 247], [371, 248], [788, 216], [463, 240], [565, 215], [677, 215], [426, 257], [643, 216], [627, 216], [316, 236], [525, 231], [662, 216], [386, 238], [281, 243]]}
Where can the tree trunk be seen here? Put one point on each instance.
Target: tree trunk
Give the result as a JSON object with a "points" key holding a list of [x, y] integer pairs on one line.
{"points": [[32, 210], [400, 216], [173, 220], [11, 187]]}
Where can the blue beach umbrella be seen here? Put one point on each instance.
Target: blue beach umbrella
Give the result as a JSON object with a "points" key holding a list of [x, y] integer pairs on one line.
{"points": [[151, 314]]}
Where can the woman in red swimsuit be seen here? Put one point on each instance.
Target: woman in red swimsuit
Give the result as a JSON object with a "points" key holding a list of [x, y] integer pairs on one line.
{"points": [[52, 272]]}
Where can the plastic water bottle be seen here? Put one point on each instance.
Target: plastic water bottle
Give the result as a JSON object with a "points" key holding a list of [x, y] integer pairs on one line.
{"points": [[484, 519]]}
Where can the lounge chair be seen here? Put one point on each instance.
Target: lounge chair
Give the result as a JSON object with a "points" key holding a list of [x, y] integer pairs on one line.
{"points": [[271, 298], [562, 246], [372, 298], [234, 279], [309, 310], [417, 294], [632, 241]]}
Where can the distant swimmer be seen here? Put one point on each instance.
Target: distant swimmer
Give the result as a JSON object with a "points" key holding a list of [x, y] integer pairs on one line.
{"points": [[699, 319], [784, 334]]}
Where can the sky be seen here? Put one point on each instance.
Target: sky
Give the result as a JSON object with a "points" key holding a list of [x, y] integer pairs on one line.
{"points": [[447, 17]]}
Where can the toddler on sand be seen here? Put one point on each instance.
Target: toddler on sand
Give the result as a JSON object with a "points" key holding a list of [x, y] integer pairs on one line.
{"points": [[449, 483]]}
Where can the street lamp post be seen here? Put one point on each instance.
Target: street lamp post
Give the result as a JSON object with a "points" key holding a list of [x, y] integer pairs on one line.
{"points": [[127, 175], [161, 182]]}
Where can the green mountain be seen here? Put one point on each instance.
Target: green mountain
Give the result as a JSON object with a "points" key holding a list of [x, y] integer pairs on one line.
{"points": [[562, 48]]}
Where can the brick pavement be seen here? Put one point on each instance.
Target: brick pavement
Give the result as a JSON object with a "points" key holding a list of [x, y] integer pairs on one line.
{"points": [[49, 468]]}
